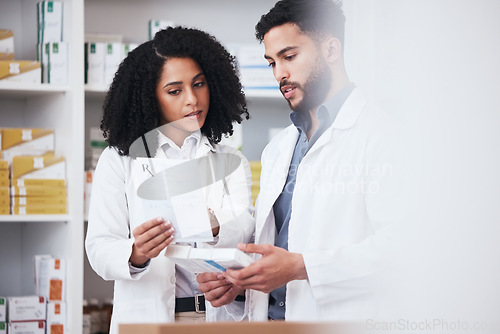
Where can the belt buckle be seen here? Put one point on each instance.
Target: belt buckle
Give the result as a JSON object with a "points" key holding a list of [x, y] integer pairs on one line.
{"points": [[197, 303]]}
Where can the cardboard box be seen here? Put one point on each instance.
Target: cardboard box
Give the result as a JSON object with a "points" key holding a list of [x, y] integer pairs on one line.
{"points": [[38, 167], [56, 317], [26, 141], [50, 21], [26, 308], [268, 327], [39, 182], [6, 44], [199, 260], [29, 327], [3, 309], [4, 164], [40, 201], [50, 278], [28, 71], [94, 63]]}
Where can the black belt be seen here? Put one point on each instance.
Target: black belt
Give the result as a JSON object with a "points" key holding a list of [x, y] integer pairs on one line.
{"points": [[190, 304]]}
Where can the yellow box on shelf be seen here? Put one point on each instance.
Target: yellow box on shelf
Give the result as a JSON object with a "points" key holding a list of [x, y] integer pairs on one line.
{"points": [[4, 192], [4, 210], [26, 141], [37, 191], [40, 210], [4, 164], [33, 200], [46, 166], [39, 182], [29, 71], [6, 44]]}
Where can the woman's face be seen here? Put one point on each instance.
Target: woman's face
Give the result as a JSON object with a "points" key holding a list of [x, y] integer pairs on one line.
{"points": [[183, 96]]}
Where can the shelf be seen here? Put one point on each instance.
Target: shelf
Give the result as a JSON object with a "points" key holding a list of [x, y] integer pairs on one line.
{"points": [[23, 90], [33, 218]]}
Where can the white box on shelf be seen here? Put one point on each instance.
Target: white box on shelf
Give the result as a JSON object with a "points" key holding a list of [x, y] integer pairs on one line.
{"points": [[50, 21], [55, 63], [3, 309], [6, 44], [156, 25], [26, 308], [50, 278], [28, 327], [112, 59], [94, 63], [56, 317]]}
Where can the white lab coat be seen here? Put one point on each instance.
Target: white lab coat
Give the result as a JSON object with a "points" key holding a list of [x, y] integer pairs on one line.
{"points": [[149, 296], [344, 217]]}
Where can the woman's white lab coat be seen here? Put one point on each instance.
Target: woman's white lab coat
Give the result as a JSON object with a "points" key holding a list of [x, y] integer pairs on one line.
{"points": [[149, 296], [345, 210]]}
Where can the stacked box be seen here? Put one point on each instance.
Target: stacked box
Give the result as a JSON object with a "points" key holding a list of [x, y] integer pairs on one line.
{"points": [[26, 308], [6, 44], [26, 141], [95, 53], [89, 175], [54, 59], [56, 317], [4, 193], [27, 71], [28, 327], [3, 315], [38, 185], [50, 21], [156, 25], [255, 168], [97, 145], [112, 59], [50, 278]]}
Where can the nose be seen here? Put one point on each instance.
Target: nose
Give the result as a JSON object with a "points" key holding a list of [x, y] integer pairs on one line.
{"points": [[280, 72], [191, 98]]}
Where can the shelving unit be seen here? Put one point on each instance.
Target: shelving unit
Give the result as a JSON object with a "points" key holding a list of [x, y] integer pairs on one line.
{"points": [[62, 109]]}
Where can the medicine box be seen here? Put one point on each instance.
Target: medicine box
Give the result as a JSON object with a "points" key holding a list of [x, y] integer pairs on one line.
{"points": [[26, 141], [55, 63], [3, 309], [56, 317], [95, 62], [29, 327], [156, 25], [50, 278], [26, 308], [199, 260], [50, 21]]}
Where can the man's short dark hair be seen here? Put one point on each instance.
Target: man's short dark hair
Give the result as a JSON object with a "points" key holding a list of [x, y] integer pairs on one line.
{"points": [[317, 18]]}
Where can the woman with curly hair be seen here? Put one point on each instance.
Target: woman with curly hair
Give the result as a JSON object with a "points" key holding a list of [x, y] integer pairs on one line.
{"points": [[178, 95]]}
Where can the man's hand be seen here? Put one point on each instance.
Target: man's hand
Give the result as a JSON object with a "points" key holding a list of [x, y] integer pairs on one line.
{"points": [[217, 290], [276, 268], [151, 238]]}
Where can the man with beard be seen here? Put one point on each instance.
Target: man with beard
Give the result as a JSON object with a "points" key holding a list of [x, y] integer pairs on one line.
{"points": [[325, 216]]}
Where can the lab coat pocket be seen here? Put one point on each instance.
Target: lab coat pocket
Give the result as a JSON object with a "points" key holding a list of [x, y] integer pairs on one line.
{"points": [[135, 311]]}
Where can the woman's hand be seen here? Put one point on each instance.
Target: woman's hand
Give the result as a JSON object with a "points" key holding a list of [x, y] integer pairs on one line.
{"points": [[151, 238]]}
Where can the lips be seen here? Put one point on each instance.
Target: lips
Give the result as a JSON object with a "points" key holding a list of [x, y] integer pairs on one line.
{"points": [[194, 114], [288, 90]]}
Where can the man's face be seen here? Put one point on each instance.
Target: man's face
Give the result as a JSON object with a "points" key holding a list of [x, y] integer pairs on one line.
{"points": [[300, 69]]}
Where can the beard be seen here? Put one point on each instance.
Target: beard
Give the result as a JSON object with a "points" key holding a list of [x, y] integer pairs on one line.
{"points": [[315, 89]]}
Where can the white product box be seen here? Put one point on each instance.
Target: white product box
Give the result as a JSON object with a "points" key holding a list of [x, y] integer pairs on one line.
{"points": [[3, 327], [55, 63], [94, 63], [56, 317], [89, 175], [3, 309], [26, 308], [199, 260], [50, 278], [29, 327], [112, 59], [6, 44], [156, 25], [50, 21], [127, 47]]}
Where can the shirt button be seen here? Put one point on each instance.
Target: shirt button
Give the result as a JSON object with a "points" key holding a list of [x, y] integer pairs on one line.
{"points": [[305, 139], [172, 279], [282, 304]]}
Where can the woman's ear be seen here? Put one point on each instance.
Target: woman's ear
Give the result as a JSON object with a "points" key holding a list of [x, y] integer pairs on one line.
{"points": [[332, 49]]}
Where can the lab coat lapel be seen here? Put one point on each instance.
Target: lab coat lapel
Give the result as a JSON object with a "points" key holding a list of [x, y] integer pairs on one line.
{"points": [[347, 116]]}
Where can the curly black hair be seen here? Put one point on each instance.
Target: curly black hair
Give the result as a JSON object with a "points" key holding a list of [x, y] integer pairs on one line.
{"points": [[316, 18], [131, 107]]}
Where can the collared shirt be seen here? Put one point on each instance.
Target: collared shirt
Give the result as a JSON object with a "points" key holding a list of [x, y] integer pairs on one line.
{"points": [[282, 208]]}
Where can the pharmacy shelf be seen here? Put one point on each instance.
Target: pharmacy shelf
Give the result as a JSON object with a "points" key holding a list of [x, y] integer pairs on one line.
{"points": [[25, 90], [34, 218]]}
